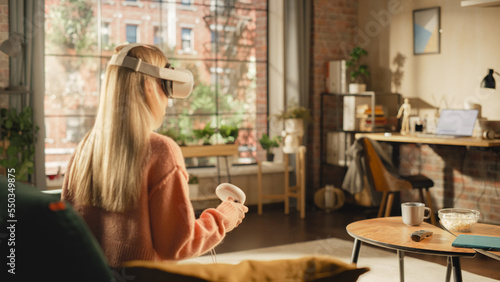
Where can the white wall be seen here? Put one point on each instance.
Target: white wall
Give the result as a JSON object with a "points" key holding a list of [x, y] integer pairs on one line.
{"points": [[470, 45]]}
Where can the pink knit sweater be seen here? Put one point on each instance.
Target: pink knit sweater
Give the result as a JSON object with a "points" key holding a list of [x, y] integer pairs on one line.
{"points": [[162, 226]]}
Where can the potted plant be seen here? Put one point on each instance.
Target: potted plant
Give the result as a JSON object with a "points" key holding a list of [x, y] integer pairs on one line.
{"points": [[295, 117], [179, 138], [18, 136], [193, 183], [268, 144], [229, 133], [358, 71], [204, 134]]}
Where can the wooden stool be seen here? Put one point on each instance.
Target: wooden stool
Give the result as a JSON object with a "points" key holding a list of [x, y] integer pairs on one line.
{"points": [[297, 191]]}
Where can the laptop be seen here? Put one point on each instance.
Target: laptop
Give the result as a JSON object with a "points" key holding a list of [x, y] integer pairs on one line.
{"points": [[455, 123], [488, 243]]}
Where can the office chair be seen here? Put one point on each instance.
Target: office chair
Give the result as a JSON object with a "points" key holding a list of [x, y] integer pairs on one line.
{"points": [[389, 183]]}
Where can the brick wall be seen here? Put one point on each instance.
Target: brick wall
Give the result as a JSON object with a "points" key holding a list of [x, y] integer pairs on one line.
{"points": [[334, 26], [4, 34], [464, 177]]}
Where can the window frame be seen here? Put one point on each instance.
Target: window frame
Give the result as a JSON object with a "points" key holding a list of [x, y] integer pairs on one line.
{"points": [[114, 30]]}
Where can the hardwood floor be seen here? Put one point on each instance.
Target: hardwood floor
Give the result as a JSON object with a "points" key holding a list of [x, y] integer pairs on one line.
{"points": [[274, 228]]}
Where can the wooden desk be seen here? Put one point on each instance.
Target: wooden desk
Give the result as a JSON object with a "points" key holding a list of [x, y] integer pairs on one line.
{"points": [[397, 137], [392, 233]]}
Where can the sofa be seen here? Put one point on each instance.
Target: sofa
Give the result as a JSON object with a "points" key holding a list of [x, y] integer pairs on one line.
{"points": [[44, 239]]}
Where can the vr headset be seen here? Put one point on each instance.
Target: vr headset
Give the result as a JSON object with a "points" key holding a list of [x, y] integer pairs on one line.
{"points": [[176, 83]]}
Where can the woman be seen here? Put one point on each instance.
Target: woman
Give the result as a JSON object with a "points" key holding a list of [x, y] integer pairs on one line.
{"points": [[130, 184]]}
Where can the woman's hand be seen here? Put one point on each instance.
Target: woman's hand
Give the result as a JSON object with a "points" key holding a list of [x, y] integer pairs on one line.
{"points": [[236, 212]]}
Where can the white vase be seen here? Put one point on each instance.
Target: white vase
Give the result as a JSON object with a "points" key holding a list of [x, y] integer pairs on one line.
{"points": [[291, 143], [294, 126], [292, 135], [357, 88]]}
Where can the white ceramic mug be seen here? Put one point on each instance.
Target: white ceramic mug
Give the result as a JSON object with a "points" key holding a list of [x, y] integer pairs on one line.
{"points": [[414, 213]]}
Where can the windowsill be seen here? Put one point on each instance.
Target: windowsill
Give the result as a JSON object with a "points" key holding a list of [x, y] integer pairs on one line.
{"points": [[133, 4], [54, 183], [187, 7], [187, 52], [267, 167]]}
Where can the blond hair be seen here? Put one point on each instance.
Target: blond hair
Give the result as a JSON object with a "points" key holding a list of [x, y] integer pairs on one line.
{"points": [[108, 164]]}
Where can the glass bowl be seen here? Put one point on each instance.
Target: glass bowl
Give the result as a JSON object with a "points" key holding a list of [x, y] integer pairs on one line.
{"points": [[461, 220]]}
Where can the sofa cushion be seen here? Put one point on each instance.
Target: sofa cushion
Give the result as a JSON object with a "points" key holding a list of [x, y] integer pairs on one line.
{"points": [[49, 240], [315, 268]]}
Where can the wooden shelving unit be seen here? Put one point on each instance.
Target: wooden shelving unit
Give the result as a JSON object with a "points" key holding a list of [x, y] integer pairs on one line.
{"points": [[222, 150], [480, 3]]}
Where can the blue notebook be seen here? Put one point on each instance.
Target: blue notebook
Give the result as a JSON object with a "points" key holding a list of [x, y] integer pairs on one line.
{"points": [[488, 243]]}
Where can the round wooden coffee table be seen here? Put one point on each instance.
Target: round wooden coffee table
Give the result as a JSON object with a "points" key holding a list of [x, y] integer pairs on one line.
{"points": [[392, 233]]}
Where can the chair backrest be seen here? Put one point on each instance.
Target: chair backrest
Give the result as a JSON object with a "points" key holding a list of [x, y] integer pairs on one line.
{"points": [[378, 176], [51, 240]]}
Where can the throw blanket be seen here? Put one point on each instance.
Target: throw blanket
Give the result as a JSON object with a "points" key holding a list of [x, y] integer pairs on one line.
{"points": [[354, 180]]}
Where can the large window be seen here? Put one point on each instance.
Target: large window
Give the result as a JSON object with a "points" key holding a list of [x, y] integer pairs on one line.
{"points": [[224, 44]]}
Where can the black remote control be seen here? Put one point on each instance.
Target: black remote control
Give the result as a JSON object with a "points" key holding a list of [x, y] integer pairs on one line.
{"points": [[420, 235]]}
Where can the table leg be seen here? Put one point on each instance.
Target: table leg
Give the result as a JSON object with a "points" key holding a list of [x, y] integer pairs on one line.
{"points": [[355, 251], [449, 267], [401, 257], [227, 170], [457, 270], [218, 170], [259, 187]]}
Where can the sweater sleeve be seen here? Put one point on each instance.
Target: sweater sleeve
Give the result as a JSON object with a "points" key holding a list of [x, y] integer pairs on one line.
{"points": [[176, 233]]}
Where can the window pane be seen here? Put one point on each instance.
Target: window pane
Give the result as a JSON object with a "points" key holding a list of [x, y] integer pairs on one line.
{"points": [[247, 145], [203, 98], [238, 84], [63, 133], [131, 31], [188, 32], [106, 35], [157, 35], [73, 27], [186, 39], [236, 29], [71, 102]]}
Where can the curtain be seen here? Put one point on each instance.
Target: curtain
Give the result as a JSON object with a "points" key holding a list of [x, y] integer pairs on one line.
{"points": [[297, 52], [297, 26], [27, 18]]}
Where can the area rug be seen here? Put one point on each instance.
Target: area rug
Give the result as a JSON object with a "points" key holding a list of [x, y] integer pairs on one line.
{"points": [[384, 265]]}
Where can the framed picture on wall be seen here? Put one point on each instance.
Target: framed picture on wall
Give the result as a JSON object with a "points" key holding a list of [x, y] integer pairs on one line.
{"points": [[427, 31]]}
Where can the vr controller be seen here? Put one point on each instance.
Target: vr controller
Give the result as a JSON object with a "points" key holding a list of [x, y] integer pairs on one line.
{"points": [[182, 79], [226, 190]]}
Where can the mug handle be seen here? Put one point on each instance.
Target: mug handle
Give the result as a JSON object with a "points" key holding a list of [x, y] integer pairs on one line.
{"points": [[428, 214]]}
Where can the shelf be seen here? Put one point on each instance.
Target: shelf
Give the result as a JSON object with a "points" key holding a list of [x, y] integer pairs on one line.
{"points": [[209, 150], [480, 3], [367, 93], [397, 137], [14, 92]]}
